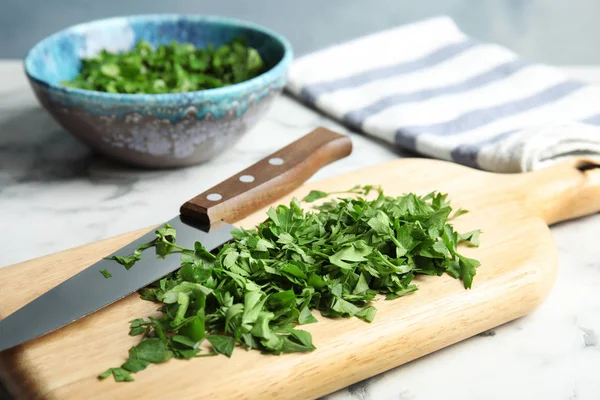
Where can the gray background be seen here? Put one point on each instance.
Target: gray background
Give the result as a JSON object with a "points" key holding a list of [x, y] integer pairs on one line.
{"points": [[560, 32]]}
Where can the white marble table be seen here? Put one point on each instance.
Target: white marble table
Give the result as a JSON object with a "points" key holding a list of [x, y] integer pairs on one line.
{"points": [[55, 194]]}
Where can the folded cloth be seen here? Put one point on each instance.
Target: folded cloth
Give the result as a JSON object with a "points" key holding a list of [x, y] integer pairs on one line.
{"points": [[431, 89]]}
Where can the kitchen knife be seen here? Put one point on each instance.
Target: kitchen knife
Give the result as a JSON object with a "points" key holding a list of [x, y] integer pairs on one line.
{"points": [[206, 218]]}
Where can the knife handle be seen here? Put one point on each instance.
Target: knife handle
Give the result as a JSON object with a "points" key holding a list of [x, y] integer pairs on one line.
{"points": [[267, 180]]}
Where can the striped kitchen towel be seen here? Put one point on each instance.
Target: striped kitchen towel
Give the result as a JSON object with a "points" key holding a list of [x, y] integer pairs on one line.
{"points": [[429, 88]]}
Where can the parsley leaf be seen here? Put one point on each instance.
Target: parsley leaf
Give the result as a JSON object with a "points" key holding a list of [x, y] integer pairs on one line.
{"points": [[106, 273], [135, 365], [120, 374], [222, 344], [367, 313], [153, 350], [315, 195], [470, 237]]}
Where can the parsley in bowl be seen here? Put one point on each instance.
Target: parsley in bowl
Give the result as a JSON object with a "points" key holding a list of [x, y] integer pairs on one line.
{"points": [[169, 68], [159, 91]]}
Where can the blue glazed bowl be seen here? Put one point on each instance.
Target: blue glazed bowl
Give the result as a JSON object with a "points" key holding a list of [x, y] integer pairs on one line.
{"points": [[156, 130]]}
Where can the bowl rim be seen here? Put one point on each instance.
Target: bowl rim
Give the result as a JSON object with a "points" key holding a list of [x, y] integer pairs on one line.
{"points": [[249, 84]]}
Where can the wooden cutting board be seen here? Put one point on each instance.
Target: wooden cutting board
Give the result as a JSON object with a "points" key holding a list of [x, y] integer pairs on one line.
{"points": [[519, 265]]}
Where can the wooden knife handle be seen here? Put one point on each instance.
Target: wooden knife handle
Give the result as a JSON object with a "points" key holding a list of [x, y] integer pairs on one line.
{"points": [[268, 179], [564, 191]]}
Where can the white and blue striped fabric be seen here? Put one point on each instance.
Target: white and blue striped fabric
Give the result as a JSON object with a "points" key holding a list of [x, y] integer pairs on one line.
{"points": [[431, 89]]}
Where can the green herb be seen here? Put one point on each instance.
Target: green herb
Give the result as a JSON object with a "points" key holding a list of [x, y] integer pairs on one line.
{"points": [[106, 273], [163, 245], [120, 374], [254, 291], [222, 344], [170, 68]]}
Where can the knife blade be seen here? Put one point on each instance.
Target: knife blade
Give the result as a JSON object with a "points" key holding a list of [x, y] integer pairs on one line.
{"points": [[207, 218]]}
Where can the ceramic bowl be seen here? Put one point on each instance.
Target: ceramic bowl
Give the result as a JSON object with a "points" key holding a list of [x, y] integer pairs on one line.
{"points": [[156, 130]]}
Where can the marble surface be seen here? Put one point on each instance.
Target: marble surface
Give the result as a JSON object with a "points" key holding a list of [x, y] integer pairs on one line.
{"points": [[55, 194]]}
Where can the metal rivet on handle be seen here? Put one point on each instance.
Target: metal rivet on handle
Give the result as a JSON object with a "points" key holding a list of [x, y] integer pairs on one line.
{"points": [[246, 178], [214, 197], [276, 161]]}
